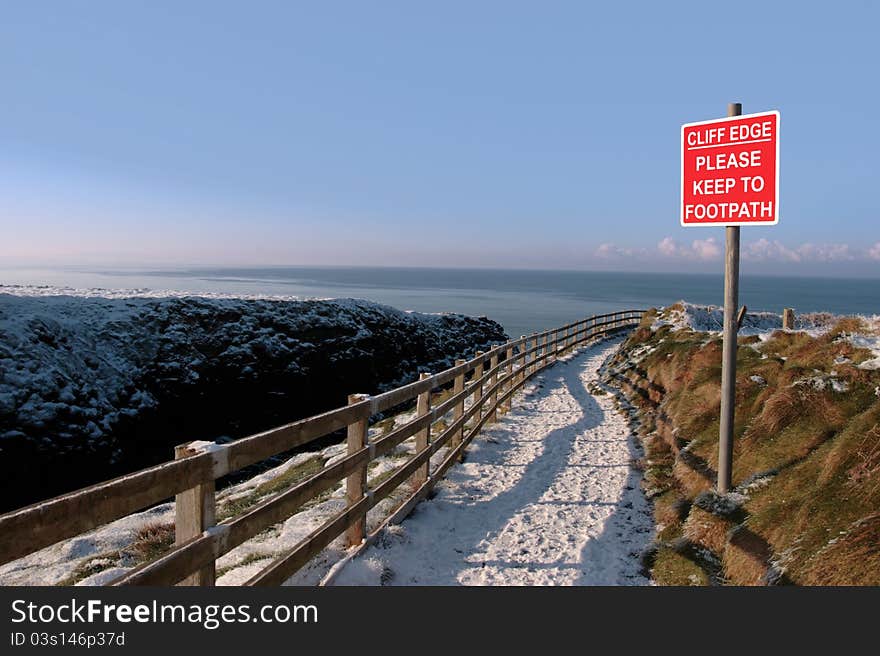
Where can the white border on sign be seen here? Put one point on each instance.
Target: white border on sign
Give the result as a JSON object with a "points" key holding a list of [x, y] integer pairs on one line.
{"points": [[716, 224]]}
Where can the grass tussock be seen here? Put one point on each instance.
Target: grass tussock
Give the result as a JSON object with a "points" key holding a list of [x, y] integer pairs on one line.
{"points": [[706, 529], [151, 541]]}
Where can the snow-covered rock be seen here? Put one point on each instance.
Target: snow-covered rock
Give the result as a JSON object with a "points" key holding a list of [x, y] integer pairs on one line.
{"points": [[94, 383]]}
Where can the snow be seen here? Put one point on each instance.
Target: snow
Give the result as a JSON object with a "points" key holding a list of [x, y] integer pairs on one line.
{"points": [[873, 363], [545, 497]]}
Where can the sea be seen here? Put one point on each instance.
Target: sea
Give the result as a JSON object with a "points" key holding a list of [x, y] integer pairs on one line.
{"points": [[523, 301]]}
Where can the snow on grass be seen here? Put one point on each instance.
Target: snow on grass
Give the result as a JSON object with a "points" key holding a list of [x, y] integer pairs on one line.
{"points": [[74, 364], [710, 318], [546, 496]]}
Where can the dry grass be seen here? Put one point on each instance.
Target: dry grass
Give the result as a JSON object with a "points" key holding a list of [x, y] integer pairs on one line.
{"points": [[864, 474], [707, 530], [846, 326], [746, 558], [813, 519], [851, 559], [783, 407], [692, 481], [151, 541]]}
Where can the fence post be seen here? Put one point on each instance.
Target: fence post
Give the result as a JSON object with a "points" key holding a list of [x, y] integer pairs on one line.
{"points": [[478, 389], [423, 407], [458, 408], [356, 483], [510, 381], [493, 396], [788, 318], [195, 511]]}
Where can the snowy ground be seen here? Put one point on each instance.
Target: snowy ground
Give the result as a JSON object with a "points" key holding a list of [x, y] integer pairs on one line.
{"points": [[545, 497]]}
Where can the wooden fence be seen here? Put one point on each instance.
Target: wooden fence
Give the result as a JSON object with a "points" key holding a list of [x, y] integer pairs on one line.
{"points": [[489, 381]]}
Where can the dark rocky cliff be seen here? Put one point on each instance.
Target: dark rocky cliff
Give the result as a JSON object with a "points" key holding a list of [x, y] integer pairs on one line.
{"points": [[94, 387]]}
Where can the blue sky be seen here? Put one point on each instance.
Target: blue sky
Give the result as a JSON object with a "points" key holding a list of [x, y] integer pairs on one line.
{"points": [[446, 134]]}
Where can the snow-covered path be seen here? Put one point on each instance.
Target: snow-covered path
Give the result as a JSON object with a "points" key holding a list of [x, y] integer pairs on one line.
{"points": [[545, 497]]}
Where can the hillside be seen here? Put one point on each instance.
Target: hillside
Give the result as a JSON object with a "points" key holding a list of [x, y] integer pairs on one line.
{"points": [[807, 448], [95, 383]]}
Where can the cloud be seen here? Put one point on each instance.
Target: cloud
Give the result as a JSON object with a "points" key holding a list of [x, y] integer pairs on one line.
{"points": [[668, 247], [825, 253], [699, 249], [874, 251], [706, 249], [610, 251], [764, 250]]}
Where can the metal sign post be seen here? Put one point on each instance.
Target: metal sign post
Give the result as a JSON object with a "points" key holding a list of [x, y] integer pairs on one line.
{"points": [[728, 349], [730, 177]]}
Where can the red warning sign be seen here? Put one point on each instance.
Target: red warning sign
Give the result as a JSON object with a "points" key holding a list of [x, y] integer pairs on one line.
{"points": [[730, 171]]}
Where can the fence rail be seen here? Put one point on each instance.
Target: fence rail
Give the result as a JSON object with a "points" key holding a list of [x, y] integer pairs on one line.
{"points": [[489, 381]]}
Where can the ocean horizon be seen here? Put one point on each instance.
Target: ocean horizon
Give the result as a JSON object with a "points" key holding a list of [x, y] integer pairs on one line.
{"points": [[521, 300]]}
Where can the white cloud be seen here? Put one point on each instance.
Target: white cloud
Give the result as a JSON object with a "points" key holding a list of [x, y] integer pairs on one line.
{"points": [[706, 249], [699, 249], [764, 250], [610, 251], [825, 252], [668, 246]]}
